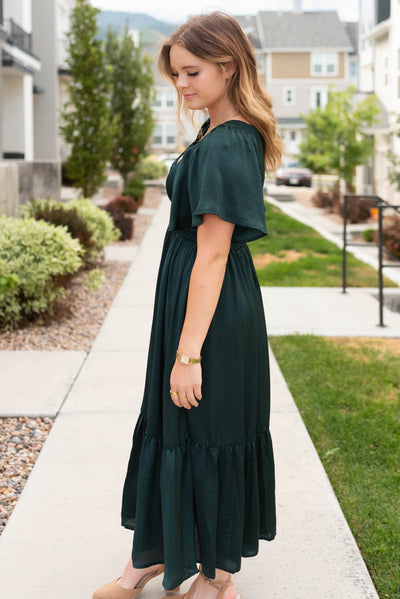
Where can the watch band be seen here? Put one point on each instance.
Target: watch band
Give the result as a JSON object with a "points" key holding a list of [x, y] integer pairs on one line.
{"points": [[185, 359]]}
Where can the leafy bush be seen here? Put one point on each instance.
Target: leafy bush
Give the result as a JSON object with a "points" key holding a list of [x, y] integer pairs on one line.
{"points": [[327, 199], [321, 199], [88, 223], [369, 235], [148, 168], [58, 214], [391, 234], [36, 259], [100, 223], [122, 222], [135, 189], [124, 203], [358, 209]]}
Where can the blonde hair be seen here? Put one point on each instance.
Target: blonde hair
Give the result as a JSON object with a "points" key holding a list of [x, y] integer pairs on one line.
{"points": [[218, 38]]}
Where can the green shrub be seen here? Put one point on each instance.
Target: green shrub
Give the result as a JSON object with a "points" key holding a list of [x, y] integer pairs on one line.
{"points": [[135, 189], [148, 168], [60, 215], [369, 235], [99, 222], [36, 259], [88, 223]]}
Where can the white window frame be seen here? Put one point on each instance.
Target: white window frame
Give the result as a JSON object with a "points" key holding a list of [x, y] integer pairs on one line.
{"points": [[285, 90], [170, 133], [159, 129], [164, 130], [324, 60], [323, 90], [170, 98], [158, 100]]}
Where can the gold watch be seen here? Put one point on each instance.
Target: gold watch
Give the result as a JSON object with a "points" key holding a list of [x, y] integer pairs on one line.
{"points": [[185, 359]]}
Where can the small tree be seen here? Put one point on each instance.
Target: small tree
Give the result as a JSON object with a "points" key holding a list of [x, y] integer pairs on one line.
{"points": [[131, 101], [394, 174], [86, 120], [335, 141]]}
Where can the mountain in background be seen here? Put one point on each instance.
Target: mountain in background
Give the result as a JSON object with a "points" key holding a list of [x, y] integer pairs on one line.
{"points": [[149, 27]]}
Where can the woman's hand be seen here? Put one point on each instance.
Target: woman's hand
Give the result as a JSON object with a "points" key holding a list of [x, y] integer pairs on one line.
{"points": [[185, 381]]}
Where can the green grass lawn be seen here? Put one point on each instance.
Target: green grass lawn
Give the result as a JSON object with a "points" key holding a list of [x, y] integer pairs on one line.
{"points": [[296, 255], [349, 398]]}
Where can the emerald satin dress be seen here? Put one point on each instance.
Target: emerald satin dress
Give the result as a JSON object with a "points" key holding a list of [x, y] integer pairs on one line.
{"points": [[200, 482]]}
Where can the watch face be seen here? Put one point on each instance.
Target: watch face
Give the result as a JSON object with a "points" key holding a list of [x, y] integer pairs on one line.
{"points": [[185, 359]]}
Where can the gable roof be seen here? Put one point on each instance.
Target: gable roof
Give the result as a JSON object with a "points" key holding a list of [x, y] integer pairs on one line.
{"points": [[296, 30], [352, 30]]}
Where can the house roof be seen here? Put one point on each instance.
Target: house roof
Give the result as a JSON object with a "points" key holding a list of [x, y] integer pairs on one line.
{"points": [[352, 30], [316, 29]]}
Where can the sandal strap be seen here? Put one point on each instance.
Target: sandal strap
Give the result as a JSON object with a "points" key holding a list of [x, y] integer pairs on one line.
{"points": [[220, 585]]}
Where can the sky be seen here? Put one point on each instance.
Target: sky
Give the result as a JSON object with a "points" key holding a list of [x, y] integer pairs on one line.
{"points": [[176, 11]]}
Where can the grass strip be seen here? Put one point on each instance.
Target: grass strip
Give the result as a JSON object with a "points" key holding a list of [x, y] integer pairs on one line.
{"points": [[296, 255], [349, 398]]}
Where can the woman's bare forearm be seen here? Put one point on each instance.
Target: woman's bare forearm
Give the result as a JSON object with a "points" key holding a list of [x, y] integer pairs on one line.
{"points": [[204, 291]]}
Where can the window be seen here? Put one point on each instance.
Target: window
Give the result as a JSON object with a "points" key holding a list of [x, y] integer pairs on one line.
{"points": [[170, 98], [157, 135], [171, 133], [260, 62], [289, 96], [319, 97], [158, 100], [353, 68], [293, 135], [324, 64]]}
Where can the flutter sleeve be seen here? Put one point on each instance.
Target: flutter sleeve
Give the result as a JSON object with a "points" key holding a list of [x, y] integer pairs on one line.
{"points": [[226, 178]]}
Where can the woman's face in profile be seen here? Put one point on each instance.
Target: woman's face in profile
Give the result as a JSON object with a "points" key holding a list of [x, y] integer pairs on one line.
{"points": [[201, 83]]}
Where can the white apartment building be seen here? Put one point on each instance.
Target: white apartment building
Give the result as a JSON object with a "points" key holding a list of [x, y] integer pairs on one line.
{"points": [[19, 65], [379, 54], [33, 77]]}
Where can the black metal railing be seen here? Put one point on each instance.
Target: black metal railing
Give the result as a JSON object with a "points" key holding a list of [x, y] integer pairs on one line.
{"points": [[379, 204], [17, 35]]}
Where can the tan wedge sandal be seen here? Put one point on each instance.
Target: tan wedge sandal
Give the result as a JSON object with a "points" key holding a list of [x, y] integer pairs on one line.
{"points": [[220, 585], [112, 590]]}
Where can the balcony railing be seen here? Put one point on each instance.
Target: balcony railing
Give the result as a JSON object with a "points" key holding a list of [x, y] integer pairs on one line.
{"points": [[17, 35]]}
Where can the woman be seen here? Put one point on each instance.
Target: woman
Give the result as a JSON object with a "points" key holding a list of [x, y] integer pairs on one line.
{"points": [[200, 480]]}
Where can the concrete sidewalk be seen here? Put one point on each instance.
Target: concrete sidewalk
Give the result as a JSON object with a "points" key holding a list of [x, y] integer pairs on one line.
{"points": [[64, 537]]}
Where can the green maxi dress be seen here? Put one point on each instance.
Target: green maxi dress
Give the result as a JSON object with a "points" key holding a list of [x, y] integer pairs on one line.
{"points": [[200, 482]]}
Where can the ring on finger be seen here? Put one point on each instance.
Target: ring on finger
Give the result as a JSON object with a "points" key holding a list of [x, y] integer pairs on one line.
{"points": [[173, 392]]}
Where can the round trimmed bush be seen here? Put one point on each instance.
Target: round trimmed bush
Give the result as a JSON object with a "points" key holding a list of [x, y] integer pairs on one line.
{"points": [[36, 259], [57, 214], [98, 221], [88, 223], [135, 189], [124, 203], [148, 168], [122, 222]]}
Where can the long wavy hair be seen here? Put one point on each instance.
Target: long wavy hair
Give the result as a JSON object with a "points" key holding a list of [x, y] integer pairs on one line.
{"points": [[218, 38]]}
